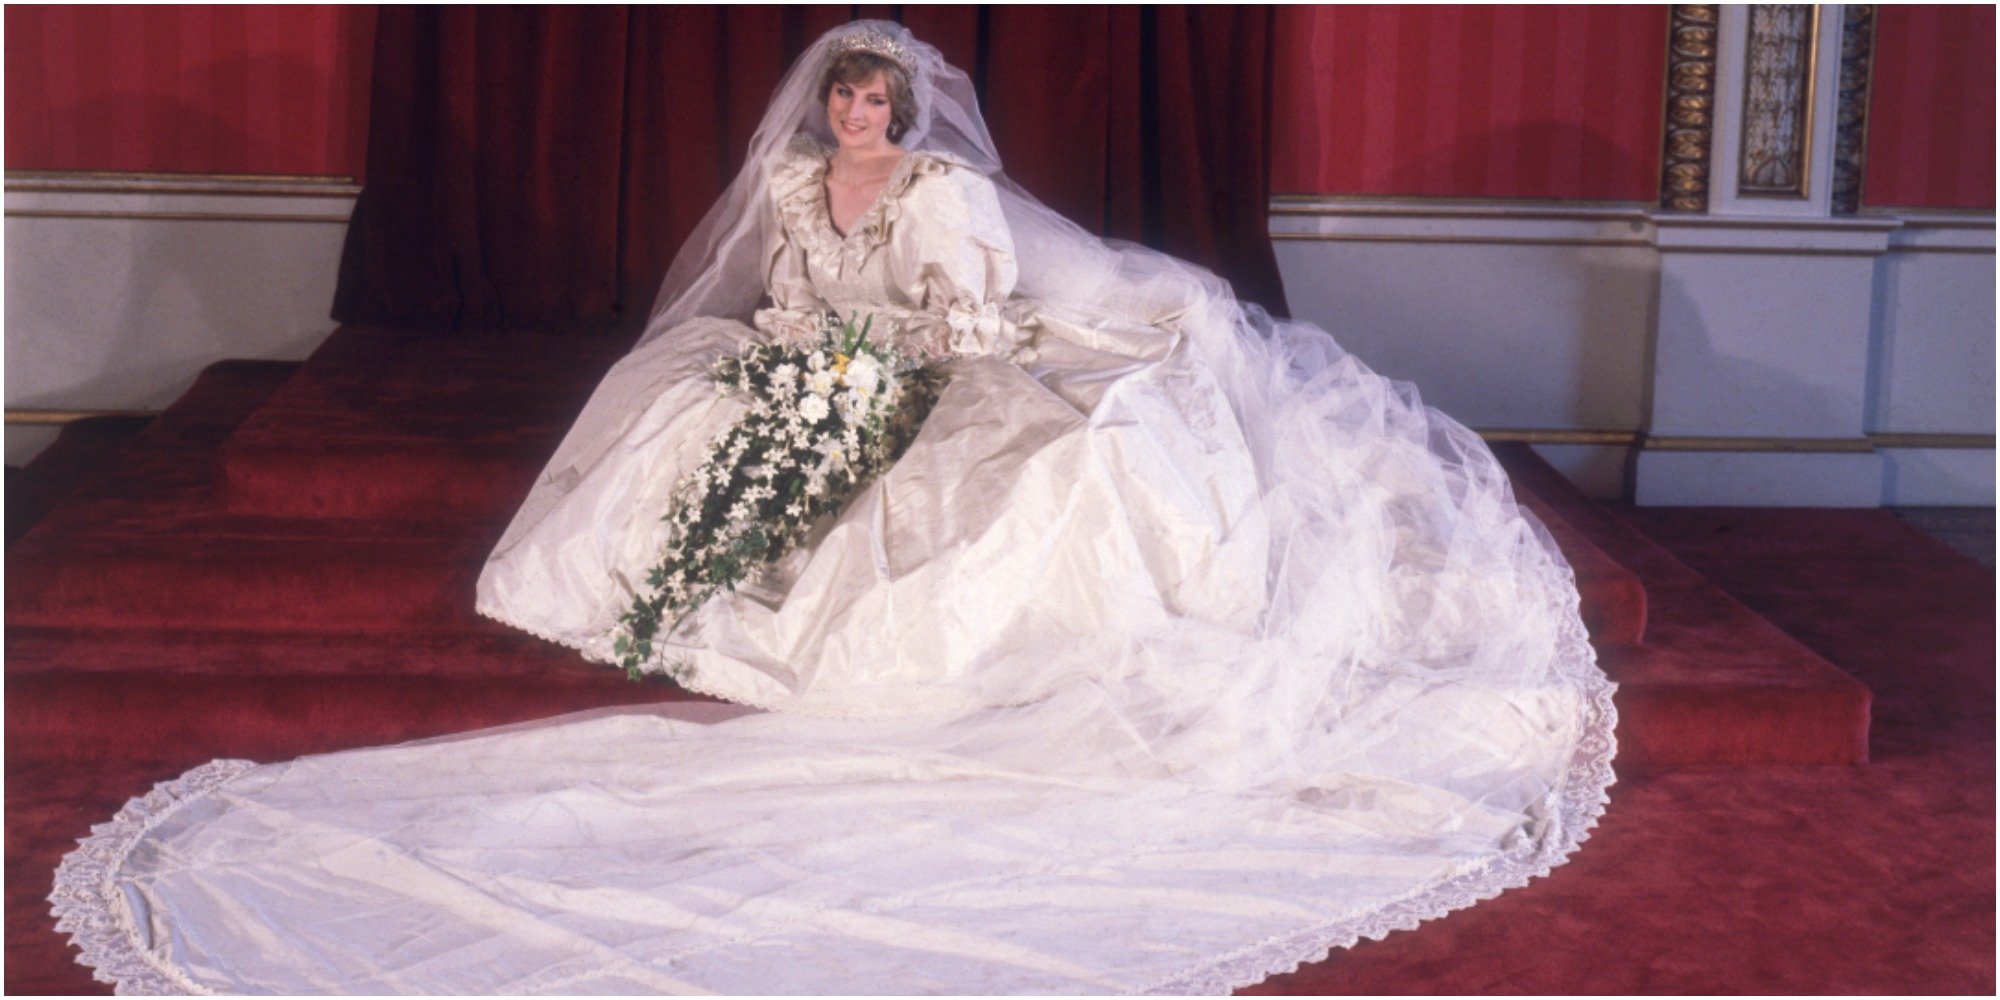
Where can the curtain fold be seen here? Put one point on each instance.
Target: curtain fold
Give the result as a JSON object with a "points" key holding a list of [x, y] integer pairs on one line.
{"points": [[539, 167]]}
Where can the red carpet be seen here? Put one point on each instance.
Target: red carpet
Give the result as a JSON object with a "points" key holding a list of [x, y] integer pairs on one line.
{"points": [[1872, 879], [283, 564]]}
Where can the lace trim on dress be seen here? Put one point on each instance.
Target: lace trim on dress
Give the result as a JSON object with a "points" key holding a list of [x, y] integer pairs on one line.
{"points": [[961, 328], [798, 186], [89, 907]]}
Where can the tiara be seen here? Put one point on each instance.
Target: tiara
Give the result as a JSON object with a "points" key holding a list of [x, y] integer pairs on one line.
{"points": [[876, 44]]}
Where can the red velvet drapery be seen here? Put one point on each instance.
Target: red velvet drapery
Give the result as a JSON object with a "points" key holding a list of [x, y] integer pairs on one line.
{"points": [[540, 166]]}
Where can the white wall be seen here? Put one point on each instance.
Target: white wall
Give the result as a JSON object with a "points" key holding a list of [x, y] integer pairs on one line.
{"points": [[1837, 361], [1548, 306], [119, 289], [1932, 359]]}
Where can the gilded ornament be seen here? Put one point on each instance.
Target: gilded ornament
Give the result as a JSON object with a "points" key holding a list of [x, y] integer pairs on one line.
{"points": [[1689, 111]]}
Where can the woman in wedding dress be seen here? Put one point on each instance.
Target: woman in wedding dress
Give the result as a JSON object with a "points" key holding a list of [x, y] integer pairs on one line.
{"points": [[1177, 649]]}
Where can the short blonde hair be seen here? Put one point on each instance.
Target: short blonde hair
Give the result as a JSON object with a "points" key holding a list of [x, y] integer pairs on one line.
{"points": [[855, 66]]}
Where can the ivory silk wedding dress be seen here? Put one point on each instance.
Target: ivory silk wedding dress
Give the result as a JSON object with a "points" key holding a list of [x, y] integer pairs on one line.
{"points": [[1177, 649]]}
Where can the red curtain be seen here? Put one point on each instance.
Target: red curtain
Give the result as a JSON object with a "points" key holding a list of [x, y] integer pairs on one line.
{"points": [[540, 166]]}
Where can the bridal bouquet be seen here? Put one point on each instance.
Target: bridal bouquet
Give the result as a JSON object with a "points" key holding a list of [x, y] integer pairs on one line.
{"points": [[824, 418]]}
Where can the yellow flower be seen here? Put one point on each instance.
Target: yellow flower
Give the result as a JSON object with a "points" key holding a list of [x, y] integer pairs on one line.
{"points": [[840, 363]]}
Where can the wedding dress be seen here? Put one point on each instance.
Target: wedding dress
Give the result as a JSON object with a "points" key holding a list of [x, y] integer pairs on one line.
{"points": [[1177, 649]]}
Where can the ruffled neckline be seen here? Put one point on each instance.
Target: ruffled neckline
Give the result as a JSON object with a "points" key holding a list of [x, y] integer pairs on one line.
{"points": [[799, 188]]}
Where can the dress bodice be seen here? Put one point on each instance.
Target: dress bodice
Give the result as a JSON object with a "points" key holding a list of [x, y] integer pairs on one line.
{"points": [[931, 259]]}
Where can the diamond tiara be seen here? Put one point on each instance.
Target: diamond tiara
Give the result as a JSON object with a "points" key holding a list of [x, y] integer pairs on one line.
{"points": [[881, 45]]}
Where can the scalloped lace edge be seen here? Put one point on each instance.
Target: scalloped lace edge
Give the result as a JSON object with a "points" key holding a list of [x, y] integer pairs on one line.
{"points": [[1579, 803], [89, 908]]}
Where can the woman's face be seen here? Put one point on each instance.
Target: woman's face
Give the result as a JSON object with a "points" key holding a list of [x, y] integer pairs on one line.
{"points": [[859, 113]]}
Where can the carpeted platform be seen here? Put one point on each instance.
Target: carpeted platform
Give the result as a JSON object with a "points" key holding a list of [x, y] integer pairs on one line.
{"points": [[78, 452], [358, 496], [284, 565], [1712, 683]]}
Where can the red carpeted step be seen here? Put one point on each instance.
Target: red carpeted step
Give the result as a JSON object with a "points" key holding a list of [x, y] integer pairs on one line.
{"points": [[357, 478], [1613, 598], [1723, 686], [386, 424], [222, 396], [325, 583], [495, 654], [1714, 684], [1677, 712], [167, 456], [83, 448]]}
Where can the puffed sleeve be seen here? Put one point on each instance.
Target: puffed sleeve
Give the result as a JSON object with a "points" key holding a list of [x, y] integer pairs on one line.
{"points": [[795, 307], [952, 256]]}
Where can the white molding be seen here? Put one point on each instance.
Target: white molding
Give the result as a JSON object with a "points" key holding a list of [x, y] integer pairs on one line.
{"points": [[1937, 231], [1772, 234], [178, 199], [1540, 223], [1395, 221]]}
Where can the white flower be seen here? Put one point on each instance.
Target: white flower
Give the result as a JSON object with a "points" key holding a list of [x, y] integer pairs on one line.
{"points": [[864, 374], [814, 408], [821, 383]]}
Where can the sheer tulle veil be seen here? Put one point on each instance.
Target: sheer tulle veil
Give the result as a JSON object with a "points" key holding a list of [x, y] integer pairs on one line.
{"points": [[718, 272], [1382, 706]]}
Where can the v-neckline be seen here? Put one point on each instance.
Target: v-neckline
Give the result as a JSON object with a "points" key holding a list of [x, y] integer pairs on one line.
{"points": [[875, 205]]}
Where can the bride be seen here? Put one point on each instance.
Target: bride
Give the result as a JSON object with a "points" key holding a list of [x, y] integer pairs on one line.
{"points": [[1177, 649]]}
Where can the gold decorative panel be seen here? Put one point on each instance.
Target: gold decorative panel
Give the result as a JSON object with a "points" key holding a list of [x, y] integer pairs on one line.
{"points": [[1778, 100]]}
